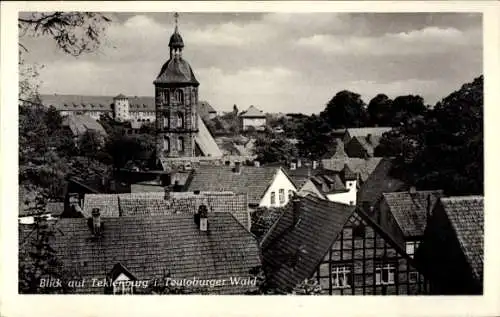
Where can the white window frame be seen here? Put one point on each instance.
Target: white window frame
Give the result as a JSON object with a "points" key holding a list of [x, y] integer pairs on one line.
{"points": [[290, 194], [281, 195], [121, 288], [379, 274], [411, 244], [340, 276], [273, 198]]}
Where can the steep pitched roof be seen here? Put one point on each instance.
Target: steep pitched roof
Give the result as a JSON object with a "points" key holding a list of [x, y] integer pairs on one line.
{"points": [[79, 124], [77, 102], [291, 252], [363, 167], [205, 140], [204, 108], [251, 180], [328, 182], [154, 204], [380, 181], [466, 215], [410, 210], [363, 132], [176, 71], [252, 112], [150, 247], [368, 143]]}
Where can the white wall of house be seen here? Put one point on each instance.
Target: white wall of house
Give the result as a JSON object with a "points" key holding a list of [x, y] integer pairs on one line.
{"points": [[253, 122], [348, 198], [281, 183], [122, 109]]}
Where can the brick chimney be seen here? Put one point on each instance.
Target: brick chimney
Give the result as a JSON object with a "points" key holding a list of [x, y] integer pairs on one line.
{"points": [[315, 165], [299, 163], [256, 163], [413, 190], [203, 217], [293, 166], [237, 167], [96, 221], [167, 191], [429, 207], [369, 138]]}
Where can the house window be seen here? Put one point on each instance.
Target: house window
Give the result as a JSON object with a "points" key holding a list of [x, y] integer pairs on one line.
{"points": [[273, 198], [166, 144], [180, 120], [180, 144], [290, 194], [414, 277], [384, 274], [165, 120], [341, 276], [282, 196], [123, 287], [179, 96], [411, 246]]}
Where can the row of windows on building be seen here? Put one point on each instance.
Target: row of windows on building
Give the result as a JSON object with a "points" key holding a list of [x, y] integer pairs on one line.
{"points": [[281, 196], [341, 275], [180, 144], [178, 97], [178, 122]]}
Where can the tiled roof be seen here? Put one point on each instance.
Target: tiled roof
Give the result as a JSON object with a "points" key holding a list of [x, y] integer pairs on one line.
{"points": [[363, 167], [152, 247], [380, 181], [99, 103], [176, 71], [410, 210], [368, 144], [466, 215], [328, 182], [363, 132], [107, 204], [153, 203], [251, 180], [291, 252], [79, 124], [252, 112]]}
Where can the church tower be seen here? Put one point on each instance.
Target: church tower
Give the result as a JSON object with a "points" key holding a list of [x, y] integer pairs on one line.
{"points": [[176, 97]]}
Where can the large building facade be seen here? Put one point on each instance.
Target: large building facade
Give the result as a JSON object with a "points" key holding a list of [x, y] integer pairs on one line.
{"points": [[176, 96]]}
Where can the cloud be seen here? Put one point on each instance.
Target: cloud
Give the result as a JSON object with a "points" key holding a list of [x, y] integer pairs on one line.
{"points": [[424, 41]]}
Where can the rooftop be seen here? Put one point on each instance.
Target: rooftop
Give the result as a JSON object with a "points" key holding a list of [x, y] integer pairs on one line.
{"points": [[252, 112], [466, 215]]}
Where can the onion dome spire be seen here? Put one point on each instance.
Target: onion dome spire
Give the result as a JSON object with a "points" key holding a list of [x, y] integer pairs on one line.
{"points": [[176, 41]]}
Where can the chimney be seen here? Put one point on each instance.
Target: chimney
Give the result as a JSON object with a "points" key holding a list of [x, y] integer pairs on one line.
{"points": [[413, 190], [256, 163], [429, 207], [96, 221], [315, 164], [293, 166], [299, 163], [369, 138], [203, 218], [237, 167], [166, 195]]}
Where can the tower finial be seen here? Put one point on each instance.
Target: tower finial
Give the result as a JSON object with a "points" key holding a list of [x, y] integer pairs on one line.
{"points": [[176, 19]]}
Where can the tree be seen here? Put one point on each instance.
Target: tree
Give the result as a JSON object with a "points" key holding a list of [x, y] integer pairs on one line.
{"points": [[277, 149], [345, 110], [404, 107], [74, 33], [235, 110], [443, 148], [379, 110], [314, 136]]}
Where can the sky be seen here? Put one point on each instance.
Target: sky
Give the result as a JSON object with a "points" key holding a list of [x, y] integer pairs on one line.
{"points": [[279, 62]]}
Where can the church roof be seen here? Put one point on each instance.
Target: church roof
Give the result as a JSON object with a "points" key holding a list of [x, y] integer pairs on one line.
{"points": [[176, 71], [176, 40]]}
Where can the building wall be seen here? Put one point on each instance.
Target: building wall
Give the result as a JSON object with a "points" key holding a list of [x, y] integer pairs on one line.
{"points": [[253, 122], [176, 120], [121, 109], [280, 182], [348, 198], [362, 251], [148, 116]]}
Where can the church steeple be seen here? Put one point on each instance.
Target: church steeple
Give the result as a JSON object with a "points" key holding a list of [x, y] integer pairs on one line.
{"points": [[176, 43]]}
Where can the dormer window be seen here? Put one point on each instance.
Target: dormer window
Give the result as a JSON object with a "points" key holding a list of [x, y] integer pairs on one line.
{"points": [[122, 281]]}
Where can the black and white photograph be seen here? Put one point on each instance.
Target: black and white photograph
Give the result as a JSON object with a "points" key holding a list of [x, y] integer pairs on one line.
{"points": [[180, 152]]}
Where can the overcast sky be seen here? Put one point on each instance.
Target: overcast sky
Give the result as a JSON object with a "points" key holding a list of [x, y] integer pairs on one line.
{"points": [[277, 61]]}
